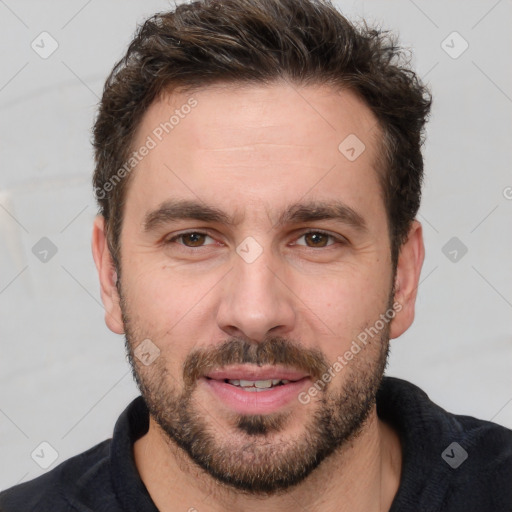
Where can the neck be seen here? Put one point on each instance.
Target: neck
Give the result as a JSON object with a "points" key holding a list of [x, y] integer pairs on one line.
{"points": [[364, 475]]}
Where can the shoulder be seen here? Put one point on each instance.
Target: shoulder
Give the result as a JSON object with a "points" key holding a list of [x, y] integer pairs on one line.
{"points": [[410, 409], [65, 488], [478, 465], [451, 461]]}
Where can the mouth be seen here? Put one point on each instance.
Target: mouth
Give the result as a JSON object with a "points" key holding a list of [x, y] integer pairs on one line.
{"points": [[250, 389]]}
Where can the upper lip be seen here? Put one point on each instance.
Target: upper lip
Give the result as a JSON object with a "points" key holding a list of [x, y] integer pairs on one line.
{"points": [[253, 373]]}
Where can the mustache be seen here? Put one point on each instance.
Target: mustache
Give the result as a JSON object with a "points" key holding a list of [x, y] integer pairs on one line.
{"points": [[272, 351]]}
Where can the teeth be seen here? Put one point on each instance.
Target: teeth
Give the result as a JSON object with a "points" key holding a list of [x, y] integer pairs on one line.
{"points": [[262, 384], [257, 385]]}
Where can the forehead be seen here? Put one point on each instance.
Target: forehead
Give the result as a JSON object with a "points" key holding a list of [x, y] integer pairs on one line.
{"points": [[228, 115], [256, 145]]}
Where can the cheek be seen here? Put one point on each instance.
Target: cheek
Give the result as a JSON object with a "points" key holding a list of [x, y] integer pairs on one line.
{"points": [[343, 307], [166, 306], [351, 293]]}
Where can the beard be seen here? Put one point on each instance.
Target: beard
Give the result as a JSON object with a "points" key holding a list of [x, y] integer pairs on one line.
{"points": [[253, 453]]}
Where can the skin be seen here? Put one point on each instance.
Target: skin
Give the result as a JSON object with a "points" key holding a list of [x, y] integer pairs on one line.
{"points": [[251, 151]]}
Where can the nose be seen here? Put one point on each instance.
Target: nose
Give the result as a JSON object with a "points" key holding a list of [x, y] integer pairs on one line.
{"points": [[257, 301]]}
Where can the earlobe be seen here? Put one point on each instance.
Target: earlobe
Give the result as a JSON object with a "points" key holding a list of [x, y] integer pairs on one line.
{"points": [[410, 262], [108, 277]]}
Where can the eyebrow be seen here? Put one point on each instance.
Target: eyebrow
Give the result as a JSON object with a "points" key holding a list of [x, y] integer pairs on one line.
{"points": [[322, 210], [177, 209], [180, 209]]}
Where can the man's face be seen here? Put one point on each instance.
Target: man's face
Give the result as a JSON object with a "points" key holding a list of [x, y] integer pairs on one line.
{"points": [[262, 283]]}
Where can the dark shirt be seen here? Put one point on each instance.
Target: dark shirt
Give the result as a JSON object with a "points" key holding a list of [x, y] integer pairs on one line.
{"points": [[436, 475]]}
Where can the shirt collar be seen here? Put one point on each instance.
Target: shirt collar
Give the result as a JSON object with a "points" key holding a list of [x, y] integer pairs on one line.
{"points": [[128, 486]]}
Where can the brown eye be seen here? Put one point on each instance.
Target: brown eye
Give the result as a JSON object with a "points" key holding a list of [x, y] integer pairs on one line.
{"points": [[316, 239], [193, 239]]}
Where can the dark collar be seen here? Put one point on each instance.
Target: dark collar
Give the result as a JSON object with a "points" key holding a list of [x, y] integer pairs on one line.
{"points": [[128, 486]]}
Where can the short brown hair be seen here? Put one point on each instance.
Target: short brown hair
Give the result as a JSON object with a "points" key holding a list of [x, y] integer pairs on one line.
{"points": [[262, 41]]}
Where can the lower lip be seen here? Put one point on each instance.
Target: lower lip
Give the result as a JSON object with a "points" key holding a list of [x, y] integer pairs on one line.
{"points": [[256, 402]]}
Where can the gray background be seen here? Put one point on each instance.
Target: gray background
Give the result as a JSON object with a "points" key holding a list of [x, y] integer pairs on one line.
{"points": [[64, 378]]}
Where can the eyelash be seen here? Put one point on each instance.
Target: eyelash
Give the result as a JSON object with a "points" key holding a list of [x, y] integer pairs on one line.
{"points": [[336, 239]]}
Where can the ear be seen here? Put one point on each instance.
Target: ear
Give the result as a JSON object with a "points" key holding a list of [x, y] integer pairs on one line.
{"points": [[108, 277], [410, 261]]}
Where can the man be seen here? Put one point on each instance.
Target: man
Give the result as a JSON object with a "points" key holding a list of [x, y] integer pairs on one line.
{"points": [[258, 171]]}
